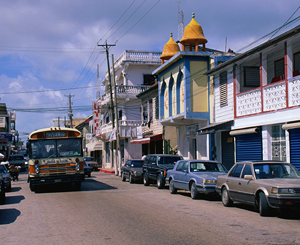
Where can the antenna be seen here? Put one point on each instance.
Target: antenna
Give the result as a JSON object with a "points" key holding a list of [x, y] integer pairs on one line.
{"points": [[180, 23]]}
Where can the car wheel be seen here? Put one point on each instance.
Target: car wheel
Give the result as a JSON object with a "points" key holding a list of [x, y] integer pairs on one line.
{"points": [[172, 189], [160, 182], [9, 187], [31, 187], [263, 206], [146, 179], [2, 195], [77, 185], [122, 176], [194, 192], [227, 202], [131, 179]]}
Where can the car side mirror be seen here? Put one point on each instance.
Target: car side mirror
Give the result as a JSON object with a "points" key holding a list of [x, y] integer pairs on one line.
{"points": [[153, 163], [249, 177], [185, 171]]}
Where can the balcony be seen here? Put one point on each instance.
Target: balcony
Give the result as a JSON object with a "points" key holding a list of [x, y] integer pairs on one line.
{"points": [[125, 92], [127, 129], [272, 97]]}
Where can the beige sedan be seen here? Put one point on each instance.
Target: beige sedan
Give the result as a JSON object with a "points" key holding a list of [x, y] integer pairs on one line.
{"points": [[263, 184]]}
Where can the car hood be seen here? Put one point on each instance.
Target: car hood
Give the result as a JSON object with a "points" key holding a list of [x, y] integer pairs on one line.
{"points": [[138, 169], [16, 161], [207, 175], [166, 166], [289, 183]]}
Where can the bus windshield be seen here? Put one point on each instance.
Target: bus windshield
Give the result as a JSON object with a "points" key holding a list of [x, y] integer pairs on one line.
{"points": [[56, 148]]}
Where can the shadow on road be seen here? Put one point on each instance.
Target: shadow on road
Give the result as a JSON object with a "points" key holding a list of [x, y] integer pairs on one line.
{"points": [[87, 185], [15, 189], [13, 199], [8, 216]]}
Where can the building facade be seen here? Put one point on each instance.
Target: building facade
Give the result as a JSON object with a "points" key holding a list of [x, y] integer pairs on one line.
{"points": [[257, 103]]}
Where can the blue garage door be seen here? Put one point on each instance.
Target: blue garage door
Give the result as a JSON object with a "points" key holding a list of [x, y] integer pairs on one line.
{"points": [[295, 147], [248, 147]]}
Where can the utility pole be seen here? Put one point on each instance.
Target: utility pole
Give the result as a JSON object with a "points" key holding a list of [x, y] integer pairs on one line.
{"points": [[118, 153], [107, 46], [70, 112]]}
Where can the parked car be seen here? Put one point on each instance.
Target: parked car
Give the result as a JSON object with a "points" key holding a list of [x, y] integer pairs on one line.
{"points": [[2, 190], [6, 177], [92, 163], [17, 160], [155, 168], [87, 169], [196, 176], [263, 184], [132, 170]]}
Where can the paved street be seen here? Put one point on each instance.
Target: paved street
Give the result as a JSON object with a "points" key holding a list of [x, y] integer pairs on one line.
{"points": [[109, 211]]}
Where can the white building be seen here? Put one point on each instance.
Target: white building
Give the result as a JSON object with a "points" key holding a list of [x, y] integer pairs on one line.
{"points": [[257, 103]]}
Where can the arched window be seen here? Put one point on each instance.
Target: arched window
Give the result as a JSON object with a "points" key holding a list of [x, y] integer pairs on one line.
{"points": [[171, 94], [179, 94], [161, 98]]}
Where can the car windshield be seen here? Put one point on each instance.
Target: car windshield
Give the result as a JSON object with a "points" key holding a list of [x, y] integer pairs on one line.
{"points": [[168, 160], [89, 159], [206, 166], [15, 158], [137, 163], [274, 171], [3, 169]]}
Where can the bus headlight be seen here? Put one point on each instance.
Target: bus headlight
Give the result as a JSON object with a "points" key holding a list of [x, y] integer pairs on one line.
{"points": [[36, 169], [77, 167]]}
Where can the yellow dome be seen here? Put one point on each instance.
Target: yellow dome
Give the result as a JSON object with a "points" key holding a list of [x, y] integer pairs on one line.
{"points": [[193, 34], [170, 49]]}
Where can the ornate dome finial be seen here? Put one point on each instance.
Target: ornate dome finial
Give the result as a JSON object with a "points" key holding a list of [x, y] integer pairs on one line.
{"points": [[170, 49]]}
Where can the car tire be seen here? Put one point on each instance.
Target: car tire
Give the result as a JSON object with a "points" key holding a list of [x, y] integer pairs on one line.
{"points": [[263, 206], [172, 189], [9, 188], [131, 179], [194, 192], [146, 179], [122, 176], [160, 182], [31, 187], [77, 185], [227, 202], [2, 195]]}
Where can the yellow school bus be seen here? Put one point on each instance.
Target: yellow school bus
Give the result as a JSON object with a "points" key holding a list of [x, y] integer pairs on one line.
{"points": [[55, 156]]}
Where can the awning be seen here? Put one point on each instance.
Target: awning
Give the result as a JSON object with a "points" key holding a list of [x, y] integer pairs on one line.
{"points": [[212, 128], [140, 141], [291, 125], [244, 131], [94, 146], [156, 137]]}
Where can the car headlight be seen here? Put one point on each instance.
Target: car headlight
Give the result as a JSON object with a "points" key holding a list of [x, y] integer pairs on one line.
{"points": [[276, 190], [36, 169], [286, 191], [209, 181]]}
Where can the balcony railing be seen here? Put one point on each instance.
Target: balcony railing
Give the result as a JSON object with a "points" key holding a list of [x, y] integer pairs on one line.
{"points": [[268, 98], [123, 91], [127, 129]]}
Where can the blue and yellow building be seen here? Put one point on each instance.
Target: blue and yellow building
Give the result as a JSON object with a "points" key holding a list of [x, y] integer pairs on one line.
{"points": [[185, 96]]}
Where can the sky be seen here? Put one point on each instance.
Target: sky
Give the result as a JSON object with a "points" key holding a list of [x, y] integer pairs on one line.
{"points": [[49, 48]]}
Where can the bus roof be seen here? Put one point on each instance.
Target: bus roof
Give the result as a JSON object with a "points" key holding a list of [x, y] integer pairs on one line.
{"points": [[54, 129]]}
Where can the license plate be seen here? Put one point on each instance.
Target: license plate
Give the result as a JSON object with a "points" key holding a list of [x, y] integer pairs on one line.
{"points": [[57, 180]]}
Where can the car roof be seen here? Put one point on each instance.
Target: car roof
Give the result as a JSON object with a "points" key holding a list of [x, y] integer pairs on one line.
{"points": [[135, 160], [263, 161], [163, 155]]}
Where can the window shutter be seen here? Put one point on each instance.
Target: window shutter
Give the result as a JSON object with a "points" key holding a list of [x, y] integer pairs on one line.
{"points": [[252, 76], [297, 62], [279, 67], [223, 89]]}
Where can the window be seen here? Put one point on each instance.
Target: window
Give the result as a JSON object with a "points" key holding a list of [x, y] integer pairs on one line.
{"points": [[156, 108], [223, 89], [247, 171], [279, 67], [120, 115], [149, 79], [179, 166], [251, 76], [236, 172], [297, 62], [278, 143]]}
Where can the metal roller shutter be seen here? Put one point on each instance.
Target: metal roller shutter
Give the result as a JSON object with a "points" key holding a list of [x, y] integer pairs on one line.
{"points": [[227, 150], [295, 147], [248, 147]]}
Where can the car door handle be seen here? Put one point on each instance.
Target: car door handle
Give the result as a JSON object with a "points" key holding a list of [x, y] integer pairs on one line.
{"points": [[240, 183]]}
